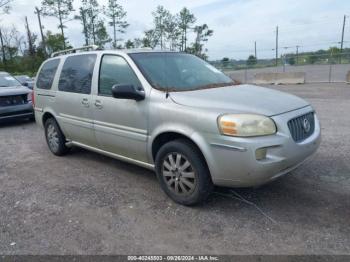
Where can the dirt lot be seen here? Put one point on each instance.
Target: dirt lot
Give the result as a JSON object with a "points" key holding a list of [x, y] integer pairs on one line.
{"points": [[85, 203]]}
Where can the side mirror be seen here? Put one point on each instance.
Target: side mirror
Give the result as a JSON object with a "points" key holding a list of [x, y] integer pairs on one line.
{"points": [[25, 84], [125, 91]]}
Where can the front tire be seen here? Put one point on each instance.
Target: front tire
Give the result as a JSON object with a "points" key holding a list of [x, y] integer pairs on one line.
{"points": [[55, 139], [182, 172]]}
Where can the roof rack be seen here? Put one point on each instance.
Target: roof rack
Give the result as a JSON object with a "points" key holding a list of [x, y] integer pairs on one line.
{"points": [[74, 50]]}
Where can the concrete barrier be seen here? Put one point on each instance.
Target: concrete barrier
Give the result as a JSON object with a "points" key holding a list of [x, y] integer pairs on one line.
{"points": [[348, 77], [279, 78]]}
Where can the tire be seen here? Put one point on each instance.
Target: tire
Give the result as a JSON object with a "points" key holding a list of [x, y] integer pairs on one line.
{"points": [[183, 173], [55, 139]]}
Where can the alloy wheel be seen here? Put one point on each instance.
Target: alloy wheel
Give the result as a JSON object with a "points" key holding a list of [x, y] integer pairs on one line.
{"points": [[52, 138], [179, 174]]}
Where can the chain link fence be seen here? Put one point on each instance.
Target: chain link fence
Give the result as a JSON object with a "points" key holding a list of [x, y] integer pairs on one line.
{"points": [[331, 68]]}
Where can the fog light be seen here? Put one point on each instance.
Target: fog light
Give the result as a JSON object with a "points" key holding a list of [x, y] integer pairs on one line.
{"points": [[260, 153]]}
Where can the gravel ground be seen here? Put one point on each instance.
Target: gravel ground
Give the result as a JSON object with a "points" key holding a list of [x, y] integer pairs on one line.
{"points": [[85, 203]]}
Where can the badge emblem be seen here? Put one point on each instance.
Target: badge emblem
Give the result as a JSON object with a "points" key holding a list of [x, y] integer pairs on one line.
{"points": [[306, 125]]}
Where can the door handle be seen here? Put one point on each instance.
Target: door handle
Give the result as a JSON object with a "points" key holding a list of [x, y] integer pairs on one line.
{"points": [[98, 104], [85, 102]]}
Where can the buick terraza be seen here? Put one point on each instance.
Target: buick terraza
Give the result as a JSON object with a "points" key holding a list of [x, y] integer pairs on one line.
{"points": [[173, 113]]}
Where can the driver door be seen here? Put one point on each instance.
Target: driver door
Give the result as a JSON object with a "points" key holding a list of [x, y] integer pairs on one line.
{"points": [[120, 124]]}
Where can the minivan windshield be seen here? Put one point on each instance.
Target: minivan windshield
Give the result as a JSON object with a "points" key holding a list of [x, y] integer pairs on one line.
{"points": [[179, 71], [7, 80]]}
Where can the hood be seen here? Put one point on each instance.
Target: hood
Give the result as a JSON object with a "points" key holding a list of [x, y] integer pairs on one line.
{"points": [[14, 90], [241, 99]]}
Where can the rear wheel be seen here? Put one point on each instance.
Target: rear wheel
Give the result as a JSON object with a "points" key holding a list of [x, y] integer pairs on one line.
{"points": [[55, 138], [183, 173]]}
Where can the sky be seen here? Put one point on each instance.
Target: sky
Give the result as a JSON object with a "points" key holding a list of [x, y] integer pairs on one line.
{"points": [[237, 24]]}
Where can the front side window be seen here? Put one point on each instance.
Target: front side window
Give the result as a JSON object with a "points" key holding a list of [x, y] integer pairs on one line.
{"points": [[77, 73], [47, 74], [115, 70], [179, 71]]}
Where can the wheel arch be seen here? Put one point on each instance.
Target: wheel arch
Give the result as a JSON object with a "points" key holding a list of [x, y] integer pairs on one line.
{"points": [[46, 116], [167, 136]]}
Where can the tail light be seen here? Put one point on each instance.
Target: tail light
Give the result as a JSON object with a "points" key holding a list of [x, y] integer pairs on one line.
{"points": [[33, 99]]}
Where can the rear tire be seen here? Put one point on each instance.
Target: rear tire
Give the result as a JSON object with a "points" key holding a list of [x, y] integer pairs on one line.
{"points": [[183, 173], [55, 139]]}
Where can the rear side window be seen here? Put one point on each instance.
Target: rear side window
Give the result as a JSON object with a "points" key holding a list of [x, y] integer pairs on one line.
{"points": [[115, 70], [76, 74], [47, 74]]}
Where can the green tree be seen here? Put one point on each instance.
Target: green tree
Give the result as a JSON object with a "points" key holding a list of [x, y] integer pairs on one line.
{"points": [[202, 36], [94, 29], [60, 9], [251, 60], [335, 54], [150, 39], [160, 18], [54, 42], [83, 16], [129, 44], [116, 14], [5, 8], [291, 60], [225, 61], [312, 58], [172, 31], [101, 35], [138, 42], [186, 20]]}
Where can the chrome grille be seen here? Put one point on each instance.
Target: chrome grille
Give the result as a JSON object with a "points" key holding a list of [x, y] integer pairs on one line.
{"points": [[302, 127]]}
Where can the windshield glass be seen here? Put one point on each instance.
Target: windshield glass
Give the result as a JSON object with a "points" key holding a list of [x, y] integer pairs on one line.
{"points": [[179, 71], [8, 80]]}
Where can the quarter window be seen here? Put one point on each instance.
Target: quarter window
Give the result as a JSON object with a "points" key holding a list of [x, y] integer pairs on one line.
{"points": [[115, 70], [77, 73], [47, 74]]}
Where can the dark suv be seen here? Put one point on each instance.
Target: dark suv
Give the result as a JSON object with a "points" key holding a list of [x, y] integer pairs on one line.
{"points": [[15, 99]]}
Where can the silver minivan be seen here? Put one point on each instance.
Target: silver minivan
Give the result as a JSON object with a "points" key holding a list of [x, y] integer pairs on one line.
{"points": [[173, 113]]}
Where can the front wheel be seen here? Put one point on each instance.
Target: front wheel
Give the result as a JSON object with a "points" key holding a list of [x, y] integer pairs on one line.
{"points": [[183, 173]]}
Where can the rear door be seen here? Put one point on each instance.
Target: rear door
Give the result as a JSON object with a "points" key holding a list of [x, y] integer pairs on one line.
{"points": [[73, 99]]}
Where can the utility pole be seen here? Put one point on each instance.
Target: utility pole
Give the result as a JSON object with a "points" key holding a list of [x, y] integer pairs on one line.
{"points": [[276, 45], [255, 50], [342, 39], [41, 29], [297, 62], [3, 51], [30, 40]]}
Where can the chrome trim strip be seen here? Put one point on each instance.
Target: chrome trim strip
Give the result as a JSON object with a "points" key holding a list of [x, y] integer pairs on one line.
{"points": [[235, 148], [116, 156], [81, 119], [38, 109], [120, 127], [119, 133]]}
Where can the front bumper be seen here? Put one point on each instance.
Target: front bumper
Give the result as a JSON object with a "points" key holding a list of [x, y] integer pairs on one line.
{"points": [[17, 111], [232, 160]]}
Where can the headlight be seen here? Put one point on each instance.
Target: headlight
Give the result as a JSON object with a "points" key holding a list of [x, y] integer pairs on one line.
{"points": [[246, 125]]}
